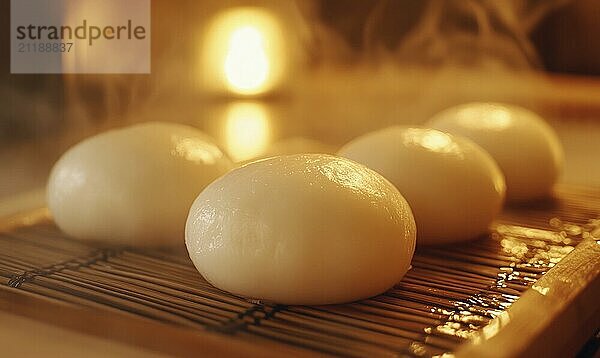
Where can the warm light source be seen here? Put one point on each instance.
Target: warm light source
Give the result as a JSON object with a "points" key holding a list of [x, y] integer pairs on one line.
{"points": [[246, 64], [247, 130], [243, 52]]}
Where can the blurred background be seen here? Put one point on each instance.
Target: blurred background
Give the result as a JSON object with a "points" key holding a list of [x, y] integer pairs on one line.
{"points": [[284, 76]]}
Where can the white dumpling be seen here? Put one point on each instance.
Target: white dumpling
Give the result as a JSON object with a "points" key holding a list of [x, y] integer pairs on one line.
{"points": [[452, 185], [301, 229], [525, 147], [134, 185]]}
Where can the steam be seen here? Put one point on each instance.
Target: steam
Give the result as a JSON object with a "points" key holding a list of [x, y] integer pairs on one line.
{"points": [[459, 50], [469, 33]]}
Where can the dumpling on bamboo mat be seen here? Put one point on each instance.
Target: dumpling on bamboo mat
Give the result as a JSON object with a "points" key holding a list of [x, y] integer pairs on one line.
{"points": [[454, 187], [301, 229], [134, 185], [525, 147]]}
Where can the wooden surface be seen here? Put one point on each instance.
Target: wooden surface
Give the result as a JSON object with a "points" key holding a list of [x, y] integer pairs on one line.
{"points": [[25, 337], [554, 318], [126, 331]]}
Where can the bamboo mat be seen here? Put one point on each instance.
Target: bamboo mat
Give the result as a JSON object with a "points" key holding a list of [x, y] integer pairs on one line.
{"points": [[449, 294]]}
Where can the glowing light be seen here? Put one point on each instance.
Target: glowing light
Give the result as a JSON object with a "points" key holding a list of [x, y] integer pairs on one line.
{"points": [[432, 140], [541, 290], [247, 130], [246, 64], [487, 116], [243, 52], [195, 150], [494, 327]]}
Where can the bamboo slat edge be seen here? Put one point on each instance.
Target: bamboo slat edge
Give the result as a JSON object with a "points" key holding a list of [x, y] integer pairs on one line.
{"points": [[556, 315]]}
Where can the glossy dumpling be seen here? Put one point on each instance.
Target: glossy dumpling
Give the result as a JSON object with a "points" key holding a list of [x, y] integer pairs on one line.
{"points": [[525, 147], [453, 186], [134, 185], [301, 229]]}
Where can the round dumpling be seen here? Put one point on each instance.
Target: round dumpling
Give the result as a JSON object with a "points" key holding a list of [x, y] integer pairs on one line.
{"points": [[454, 187], [301, 229], [525, 147], [135, 185]]}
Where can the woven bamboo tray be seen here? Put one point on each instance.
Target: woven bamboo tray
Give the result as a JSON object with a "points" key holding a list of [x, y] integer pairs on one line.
{"points": [[529, 288]]}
